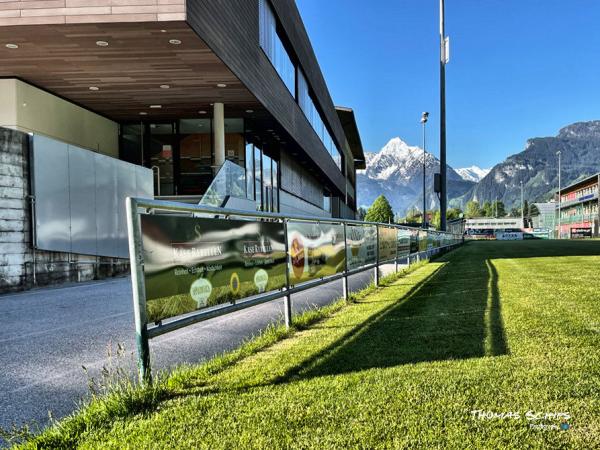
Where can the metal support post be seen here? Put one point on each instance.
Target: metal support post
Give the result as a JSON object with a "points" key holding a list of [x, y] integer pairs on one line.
{"points": [[345, 277], [139, 290], [287, 299], [376, 273]]}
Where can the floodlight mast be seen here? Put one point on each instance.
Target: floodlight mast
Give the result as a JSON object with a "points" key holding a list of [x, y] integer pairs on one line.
{"points": [[443, 61], [424, 117]]}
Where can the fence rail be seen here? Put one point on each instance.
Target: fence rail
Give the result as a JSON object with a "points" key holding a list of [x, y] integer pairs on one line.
{"points": [[388, 246]]}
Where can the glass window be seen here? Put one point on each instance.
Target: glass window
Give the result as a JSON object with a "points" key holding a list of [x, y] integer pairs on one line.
{"points": [[249, 171], [275, 176], [267, 184], [314, 118], [258, 177], [195, 156], [274, 48]]}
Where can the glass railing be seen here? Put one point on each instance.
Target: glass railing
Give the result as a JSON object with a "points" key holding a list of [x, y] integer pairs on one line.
{"points": [[230, 181]]}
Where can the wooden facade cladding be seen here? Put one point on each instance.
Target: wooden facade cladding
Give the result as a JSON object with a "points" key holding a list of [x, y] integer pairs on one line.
{"points": [[36, 12], [230, 29]]}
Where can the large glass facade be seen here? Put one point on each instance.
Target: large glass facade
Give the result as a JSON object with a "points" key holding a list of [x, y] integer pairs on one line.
{"points": [[274, 48], [314, 118]]}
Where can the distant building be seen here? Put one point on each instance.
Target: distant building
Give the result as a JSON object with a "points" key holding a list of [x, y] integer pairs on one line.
{"points": [[579, 208], [491, 224], [546, 219]]}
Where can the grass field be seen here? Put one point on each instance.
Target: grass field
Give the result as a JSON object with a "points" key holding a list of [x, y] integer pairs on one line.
{"points": [[496, 345]]}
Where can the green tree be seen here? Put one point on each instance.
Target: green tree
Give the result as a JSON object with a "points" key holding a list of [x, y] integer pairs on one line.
{"points": [[525, 207], [472, 209], [515, 212], [498, 209], [380, 211], [362, 212], [487, 209], [453, 213], [533, 210]]}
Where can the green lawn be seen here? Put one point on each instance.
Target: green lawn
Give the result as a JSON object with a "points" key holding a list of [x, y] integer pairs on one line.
{"points": [[505, 328]]}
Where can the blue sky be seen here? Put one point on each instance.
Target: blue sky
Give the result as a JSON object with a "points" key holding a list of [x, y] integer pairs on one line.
{"points": [[518, 69]]}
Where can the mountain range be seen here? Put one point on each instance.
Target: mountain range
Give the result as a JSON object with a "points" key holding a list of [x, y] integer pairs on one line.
{"points": [[397, 172]]}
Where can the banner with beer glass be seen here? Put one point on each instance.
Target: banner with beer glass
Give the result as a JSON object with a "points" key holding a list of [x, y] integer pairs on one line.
{"points": [[316, 250]]}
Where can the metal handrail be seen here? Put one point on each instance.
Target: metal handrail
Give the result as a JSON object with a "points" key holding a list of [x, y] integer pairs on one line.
{"points": [[144, 332]]}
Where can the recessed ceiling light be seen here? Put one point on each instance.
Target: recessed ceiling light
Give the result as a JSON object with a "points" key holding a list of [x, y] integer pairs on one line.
{"points": [[270, 130], [143, 113], [12, 46], [155, 106], [249, 111], [201, 112], [94, 88], [164, 86], [102, 43], [174, 41], [221, 85], [163, 31]]}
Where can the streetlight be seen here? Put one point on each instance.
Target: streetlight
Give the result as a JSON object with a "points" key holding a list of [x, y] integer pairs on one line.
{"points": [[424, 117], [559, 196], [444, 57]]}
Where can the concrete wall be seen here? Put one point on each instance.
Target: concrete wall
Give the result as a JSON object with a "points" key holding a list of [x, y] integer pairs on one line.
{"points": [[30, 109], [33, 12], [17, 256]]}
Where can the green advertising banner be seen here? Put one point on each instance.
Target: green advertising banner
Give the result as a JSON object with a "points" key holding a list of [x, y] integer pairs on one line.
{"points": [[361, 245], [388, 243], [423, 245], [403, 243], [193, 263], [316, 250], [414, 241]]}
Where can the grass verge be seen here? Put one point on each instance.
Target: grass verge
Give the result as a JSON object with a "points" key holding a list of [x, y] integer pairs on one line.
{"points": [[121, 398], [496, 345]]}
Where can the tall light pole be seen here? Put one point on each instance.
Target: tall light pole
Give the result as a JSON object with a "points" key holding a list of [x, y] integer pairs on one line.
{"points": [[443, 60], [559, 196], [522, 211], [424, 117]]}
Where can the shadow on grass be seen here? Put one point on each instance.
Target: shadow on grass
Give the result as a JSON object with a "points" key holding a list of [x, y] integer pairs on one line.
{"points": [[455, 313]]}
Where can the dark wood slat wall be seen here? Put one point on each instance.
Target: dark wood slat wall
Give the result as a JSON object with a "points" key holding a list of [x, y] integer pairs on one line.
{"points": [[230, 28]]}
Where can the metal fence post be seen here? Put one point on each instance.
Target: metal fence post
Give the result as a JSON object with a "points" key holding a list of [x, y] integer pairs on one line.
{"points": [[376, 273], [345, 277], [287, 299], [136, 258]]}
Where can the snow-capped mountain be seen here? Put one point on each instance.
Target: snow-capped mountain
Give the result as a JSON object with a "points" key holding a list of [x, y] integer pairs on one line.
{"points": [[397, 172], [473, 173]]}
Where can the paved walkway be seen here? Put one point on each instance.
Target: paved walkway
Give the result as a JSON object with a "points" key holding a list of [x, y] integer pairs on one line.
{"points": [[48, 334]]}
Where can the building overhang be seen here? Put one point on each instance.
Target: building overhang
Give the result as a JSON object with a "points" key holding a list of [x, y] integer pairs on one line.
{"points": [[348, 121], [580, 184], [124, 70]]}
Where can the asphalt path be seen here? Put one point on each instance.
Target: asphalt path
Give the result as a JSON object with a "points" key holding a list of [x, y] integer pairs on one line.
{"points": [[48, 334]]}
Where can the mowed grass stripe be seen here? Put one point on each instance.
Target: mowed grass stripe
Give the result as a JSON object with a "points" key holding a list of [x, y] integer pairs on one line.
{"points": [[517, 329]]}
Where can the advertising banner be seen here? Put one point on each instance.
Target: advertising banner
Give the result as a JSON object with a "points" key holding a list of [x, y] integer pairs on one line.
{"points": [[581, 232], [403, 243], [316, 250], [388, 243], [194, 263], [423, 244], [509, 235], [414, 241], [361, 245]]}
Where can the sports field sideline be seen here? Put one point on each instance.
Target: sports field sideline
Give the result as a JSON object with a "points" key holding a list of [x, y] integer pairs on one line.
{"points": [[494, 345]]}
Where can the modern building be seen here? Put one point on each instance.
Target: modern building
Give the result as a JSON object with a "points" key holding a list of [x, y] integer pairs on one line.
{"points": [[220, 102], [579, 215]]}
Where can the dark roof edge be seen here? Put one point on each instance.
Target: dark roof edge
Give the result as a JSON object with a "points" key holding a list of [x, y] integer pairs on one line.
{"points": [[348, 121]]}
